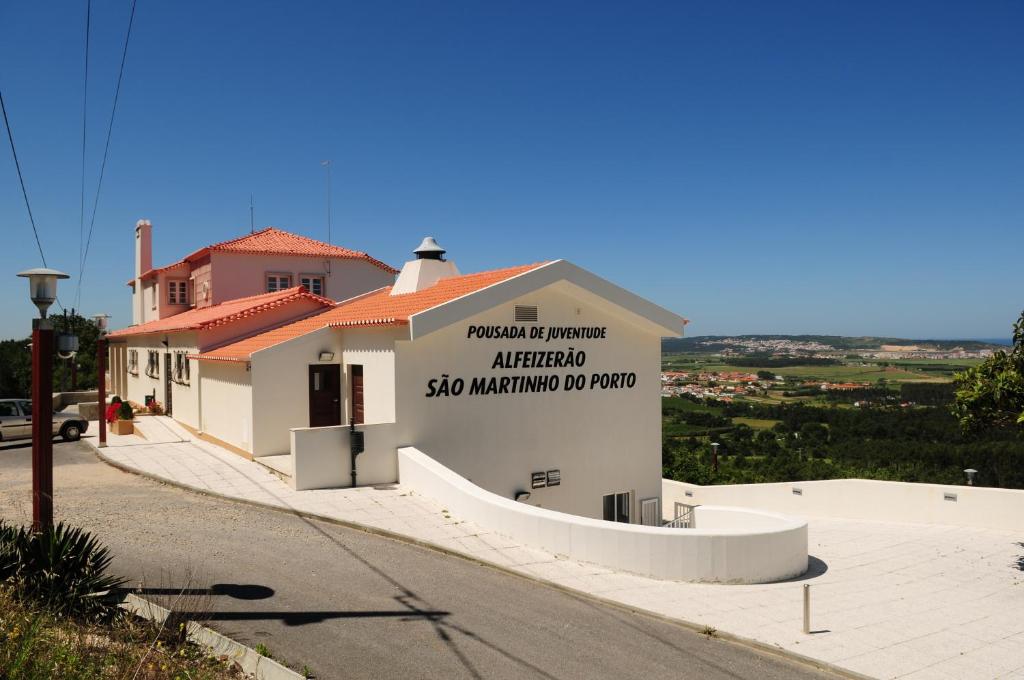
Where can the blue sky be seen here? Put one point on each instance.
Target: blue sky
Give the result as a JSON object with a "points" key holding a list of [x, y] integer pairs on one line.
{"points": [[793, 167]]}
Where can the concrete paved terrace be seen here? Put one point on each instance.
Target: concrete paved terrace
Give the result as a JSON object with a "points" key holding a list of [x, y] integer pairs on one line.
{"points": [[889, 600]]}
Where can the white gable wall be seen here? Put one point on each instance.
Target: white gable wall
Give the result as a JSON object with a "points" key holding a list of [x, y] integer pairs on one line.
{"points": [[280, 382], [602, 440]]}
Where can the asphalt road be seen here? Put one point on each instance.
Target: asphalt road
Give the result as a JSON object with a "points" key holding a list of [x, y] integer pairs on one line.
{"points": [[349, 604]]}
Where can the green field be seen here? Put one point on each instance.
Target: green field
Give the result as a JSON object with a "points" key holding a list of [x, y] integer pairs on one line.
{"points": [[756, 423], [910, 372]]}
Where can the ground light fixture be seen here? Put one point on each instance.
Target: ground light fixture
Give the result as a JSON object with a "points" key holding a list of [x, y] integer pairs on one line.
{"points": [[970, 472], [42, 285], [522, 496]]}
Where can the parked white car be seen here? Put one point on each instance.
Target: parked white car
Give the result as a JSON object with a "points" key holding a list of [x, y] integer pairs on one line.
{"points": [[16, 422]]}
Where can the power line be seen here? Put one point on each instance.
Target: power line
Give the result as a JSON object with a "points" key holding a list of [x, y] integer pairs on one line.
{"points": [[106, 148], [85, 101], [17, 165]]}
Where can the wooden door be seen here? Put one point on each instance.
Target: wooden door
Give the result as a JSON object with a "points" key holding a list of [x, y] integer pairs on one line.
{"points": [[167, 383], [324, 395], [356, 372]]}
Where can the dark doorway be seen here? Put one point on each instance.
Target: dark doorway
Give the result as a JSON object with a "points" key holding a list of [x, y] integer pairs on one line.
{"points": [[356, 373], [324, 395], [167, 383]]}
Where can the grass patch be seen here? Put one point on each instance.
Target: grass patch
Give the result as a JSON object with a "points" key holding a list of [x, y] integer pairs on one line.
{"points": [[756, 423], [36, 644]]}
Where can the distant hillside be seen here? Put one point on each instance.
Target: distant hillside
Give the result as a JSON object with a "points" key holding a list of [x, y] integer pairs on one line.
{"points": [[712, 343]]}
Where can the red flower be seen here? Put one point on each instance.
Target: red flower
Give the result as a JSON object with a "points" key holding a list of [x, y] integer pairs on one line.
{"points": [[112, 412]]}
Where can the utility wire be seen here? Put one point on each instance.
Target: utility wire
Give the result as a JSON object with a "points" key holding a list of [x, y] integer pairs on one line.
{"points": [[106, 148], [17, 165], [81, 208]]}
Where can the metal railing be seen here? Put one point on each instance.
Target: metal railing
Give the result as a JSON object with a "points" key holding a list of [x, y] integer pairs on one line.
{"points": [[684, 517]]}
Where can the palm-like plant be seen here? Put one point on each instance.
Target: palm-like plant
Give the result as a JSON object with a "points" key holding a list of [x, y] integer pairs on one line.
{"points": [[63, 568]]}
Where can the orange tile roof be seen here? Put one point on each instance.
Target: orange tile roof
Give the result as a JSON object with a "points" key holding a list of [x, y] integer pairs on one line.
{"points": [[274, 241], [223, 313], [376, 308]]}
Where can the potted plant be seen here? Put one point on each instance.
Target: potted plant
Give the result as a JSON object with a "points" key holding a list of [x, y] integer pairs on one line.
{"points": [[123, 424]]}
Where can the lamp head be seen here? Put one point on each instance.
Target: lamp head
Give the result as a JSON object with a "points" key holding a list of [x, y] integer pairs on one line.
{"points": [[42, 285]]}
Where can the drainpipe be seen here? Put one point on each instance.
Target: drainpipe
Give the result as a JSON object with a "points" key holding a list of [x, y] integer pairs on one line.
{"points": [[355, 444]]}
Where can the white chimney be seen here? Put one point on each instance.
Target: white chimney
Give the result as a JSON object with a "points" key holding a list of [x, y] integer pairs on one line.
{"points": [[143, 247], [143, 263], [426, 270]]}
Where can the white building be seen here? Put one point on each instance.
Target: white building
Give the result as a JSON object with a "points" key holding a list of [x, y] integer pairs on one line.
{"points": [[541, 379]]}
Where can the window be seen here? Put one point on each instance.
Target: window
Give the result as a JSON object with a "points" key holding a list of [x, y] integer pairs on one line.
{"points": [[314, 284], [26, 407], [133, 361], [616, 507], [153, 364], [181, 368], [276, 282], [7, 408], [177, 293]]}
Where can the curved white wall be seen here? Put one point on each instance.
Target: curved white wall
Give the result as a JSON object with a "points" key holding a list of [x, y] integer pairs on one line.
{"points": [[732, 545]]}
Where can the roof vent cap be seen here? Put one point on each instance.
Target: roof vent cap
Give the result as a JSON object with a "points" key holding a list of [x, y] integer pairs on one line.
{"points": [[429, 250]]}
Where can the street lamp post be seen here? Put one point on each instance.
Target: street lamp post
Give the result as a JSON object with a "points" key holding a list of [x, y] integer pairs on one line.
{"points": [[714, 456], [101, 379], [43, 291]]}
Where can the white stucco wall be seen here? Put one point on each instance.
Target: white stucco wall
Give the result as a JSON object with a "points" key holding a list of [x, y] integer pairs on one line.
{"points": [[864, 499], [227, 412], [374, 350], [235, 275], [280, 380], [141, 385], [322, 459], [729, 545], [602, 440]]}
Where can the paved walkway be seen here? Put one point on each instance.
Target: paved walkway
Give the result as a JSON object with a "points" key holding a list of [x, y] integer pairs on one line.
{"points": [[889, 600]]}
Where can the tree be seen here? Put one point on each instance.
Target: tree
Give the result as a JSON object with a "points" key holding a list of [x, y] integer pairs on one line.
{"points": [[766, 375], [16, 360], [991, 395]]}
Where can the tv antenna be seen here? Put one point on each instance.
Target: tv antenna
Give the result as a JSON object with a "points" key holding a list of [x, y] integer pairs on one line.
{"points": [[252, 216], [327, 164]]}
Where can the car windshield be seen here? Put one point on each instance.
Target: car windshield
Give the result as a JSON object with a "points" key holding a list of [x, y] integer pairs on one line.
{"points": [[26, 407]]}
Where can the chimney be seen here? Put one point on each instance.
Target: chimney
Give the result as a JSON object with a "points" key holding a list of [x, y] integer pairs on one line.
{"points": [[143, 263], [423, 272], [143, 247]]}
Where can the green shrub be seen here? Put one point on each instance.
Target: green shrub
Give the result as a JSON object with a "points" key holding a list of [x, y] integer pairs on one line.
{"points": [[62, 568], [125, 412]]}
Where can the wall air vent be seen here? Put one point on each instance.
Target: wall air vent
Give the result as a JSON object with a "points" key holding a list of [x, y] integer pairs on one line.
{"points": [[526, 314], [949, 497], [797, 491], [554, 477], [538, 480]]}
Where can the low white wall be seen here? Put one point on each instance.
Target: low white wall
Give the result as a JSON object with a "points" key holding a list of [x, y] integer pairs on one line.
{"points": [[727, 551], [863, 499], [321, 458]]}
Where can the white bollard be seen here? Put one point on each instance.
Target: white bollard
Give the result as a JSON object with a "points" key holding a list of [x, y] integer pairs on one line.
{"points": [[807, 609]]}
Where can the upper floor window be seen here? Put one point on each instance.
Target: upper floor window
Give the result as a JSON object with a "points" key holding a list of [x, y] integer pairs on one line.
{"points": [[314, 284], [276, 282], [177, 292]]}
